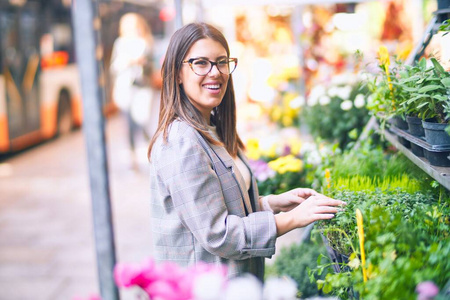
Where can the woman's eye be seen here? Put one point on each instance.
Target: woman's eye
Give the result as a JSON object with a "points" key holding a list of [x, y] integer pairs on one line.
{"points": [[201, 62], [222, 62]]}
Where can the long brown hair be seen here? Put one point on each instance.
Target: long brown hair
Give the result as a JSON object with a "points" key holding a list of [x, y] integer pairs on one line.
{"points": [[174, 102]]}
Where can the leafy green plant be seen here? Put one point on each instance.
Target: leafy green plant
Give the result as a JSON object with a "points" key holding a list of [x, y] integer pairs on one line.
{"points": [[406, 242], [370, 167], [426, 90], [385, 100], [295, 260], [338, 114]]}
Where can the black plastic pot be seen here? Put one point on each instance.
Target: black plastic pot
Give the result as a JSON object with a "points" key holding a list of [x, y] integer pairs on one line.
{"points": [[417, 150], [400, 123], [404, 142], [437, 158], [415, 126], [435, 133], [437, 155]]}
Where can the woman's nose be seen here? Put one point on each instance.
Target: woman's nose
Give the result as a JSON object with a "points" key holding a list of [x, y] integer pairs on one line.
{"points": [[214, 71]]}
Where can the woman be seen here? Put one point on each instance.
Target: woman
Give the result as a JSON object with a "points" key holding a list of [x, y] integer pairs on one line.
{"points": [[131, 67], [205, 202]]}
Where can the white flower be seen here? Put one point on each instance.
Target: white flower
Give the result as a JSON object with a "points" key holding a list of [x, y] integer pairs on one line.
{"points": [[308, 147], [209, 286], [245, 287], [297, 102], [333, 91], [346, 105], [280, 289], [317, 92], [344, 92], [314, 158], [359, 101], [324, 100]]}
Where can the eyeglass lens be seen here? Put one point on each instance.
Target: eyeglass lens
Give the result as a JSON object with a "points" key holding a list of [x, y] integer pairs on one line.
{"points": [[203, 66]]}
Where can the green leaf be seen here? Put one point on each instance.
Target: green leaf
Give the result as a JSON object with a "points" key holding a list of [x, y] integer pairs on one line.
{"points": [[428, 88], [327, 288], [446, 82], [320, 283], [437, 66], [440, 97]]}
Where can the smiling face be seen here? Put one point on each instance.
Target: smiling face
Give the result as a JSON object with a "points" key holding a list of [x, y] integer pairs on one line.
{"points": [[204, 92]]}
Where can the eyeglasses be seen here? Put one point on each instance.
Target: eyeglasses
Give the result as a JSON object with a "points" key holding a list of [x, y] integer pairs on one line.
{"points": [[202, 66]]}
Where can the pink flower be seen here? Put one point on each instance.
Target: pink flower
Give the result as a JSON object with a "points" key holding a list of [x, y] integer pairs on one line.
{"points": [[127, 275], [426, 290], [166, 281], [170, 282]]}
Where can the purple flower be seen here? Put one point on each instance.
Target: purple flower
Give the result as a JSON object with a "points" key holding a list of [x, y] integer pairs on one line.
{"points": [[261, 170], [426, 290], [286, 150]]}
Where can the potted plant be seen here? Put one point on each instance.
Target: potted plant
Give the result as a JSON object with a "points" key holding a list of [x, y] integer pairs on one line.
{"points": [[387, 96], [429, 90]]}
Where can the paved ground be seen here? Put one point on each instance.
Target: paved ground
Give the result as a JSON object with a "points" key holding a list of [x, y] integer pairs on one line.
{"points": [[46, 234]]}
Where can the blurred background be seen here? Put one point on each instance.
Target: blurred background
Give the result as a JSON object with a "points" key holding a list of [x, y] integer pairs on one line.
{"points": [[289, 51]]}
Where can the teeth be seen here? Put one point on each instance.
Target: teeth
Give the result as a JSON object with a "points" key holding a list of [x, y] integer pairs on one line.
{"points": [[212, 86]]}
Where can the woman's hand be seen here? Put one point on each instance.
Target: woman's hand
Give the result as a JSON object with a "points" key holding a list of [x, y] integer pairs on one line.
{"points": [[289, 200], [316, 207]]}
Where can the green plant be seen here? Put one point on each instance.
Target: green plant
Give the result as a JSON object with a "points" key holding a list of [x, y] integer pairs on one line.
{"points": [[426, 90], [385, 100], [406, 242], [370, 167], [337, 114], [445, 26], [295, 260]]}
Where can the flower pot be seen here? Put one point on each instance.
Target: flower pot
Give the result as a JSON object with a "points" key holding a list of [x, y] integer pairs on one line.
{"points": [[435, 133], [415, 126], [336, 257], [417, 150], [400, 123], [404, 142], [438, 158]]}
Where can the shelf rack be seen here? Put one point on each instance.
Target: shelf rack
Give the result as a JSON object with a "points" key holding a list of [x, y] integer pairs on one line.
{"points": [[440, 174]]}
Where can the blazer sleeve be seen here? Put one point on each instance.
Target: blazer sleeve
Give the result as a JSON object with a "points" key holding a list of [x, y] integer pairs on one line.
{"points": [[185, 170]]}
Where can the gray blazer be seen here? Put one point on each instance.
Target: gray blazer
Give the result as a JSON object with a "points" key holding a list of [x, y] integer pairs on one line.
{"points": [[201, 210]]}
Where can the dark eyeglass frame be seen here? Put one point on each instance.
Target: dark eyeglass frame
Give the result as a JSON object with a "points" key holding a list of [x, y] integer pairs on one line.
{"points": [[213, 63]]}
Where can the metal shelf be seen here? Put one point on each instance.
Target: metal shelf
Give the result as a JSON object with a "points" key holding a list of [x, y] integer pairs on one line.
{"points": [[440, 174]]}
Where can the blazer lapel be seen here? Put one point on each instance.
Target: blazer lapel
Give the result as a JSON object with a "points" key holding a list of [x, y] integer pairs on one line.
{"points": [[226, 158]]}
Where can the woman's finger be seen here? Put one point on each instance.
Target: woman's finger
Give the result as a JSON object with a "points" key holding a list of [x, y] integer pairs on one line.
{"points": [[328, 201], [326, 209], [323, 216]]}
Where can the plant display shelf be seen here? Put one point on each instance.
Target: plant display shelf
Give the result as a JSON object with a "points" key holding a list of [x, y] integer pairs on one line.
{"points": [[440, 174]]}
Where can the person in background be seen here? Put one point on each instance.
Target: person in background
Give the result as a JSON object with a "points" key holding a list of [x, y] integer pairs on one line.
{"points": [[204, 198], [131, 68]]}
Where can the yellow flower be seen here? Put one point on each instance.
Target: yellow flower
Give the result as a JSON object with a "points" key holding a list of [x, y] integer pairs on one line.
{"points": [[359, 223], [270, 152], [253, 151], [295, 144], [383, 56], [287, 121], [288, 163], [276, 113], [328, 177], [403, 51]]}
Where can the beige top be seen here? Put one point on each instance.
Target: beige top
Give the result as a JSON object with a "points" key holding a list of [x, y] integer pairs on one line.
{"points": [[242, 168]]}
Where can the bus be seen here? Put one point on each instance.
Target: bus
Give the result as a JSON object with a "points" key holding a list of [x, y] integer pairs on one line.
{"points": [[39, 86], [40, 93]]}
